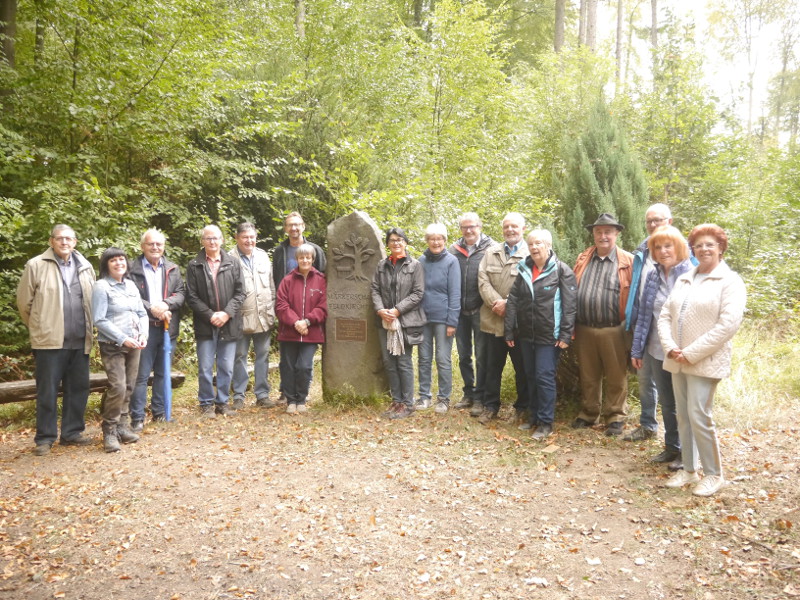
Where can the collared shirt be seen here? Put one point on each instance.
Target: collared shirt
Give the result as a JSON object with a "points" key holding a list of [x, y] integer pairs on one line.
{"points": [[247, 261], [598, 292], [511, 250], [154, 277], [213, 265], [67, 268]]}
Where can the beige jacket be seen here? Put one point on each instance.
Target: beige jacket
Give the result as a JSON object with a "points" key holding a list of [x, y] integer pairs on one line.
{"points": [[701, 318], [496, 275], [258, 309], [41, 304]]}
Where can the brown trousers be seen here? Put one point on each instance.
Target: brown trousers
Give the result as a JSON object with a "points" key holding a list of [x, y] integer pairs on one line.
{"points": [[603, 353]]}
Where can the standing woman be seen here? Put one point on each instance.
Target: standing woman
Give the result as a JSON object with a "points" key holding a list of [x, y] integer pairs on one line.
{"points": [[122, 328], [540, 317], [442, 305], [696, 325], [397, 290], [302, 307], [671, 254]]}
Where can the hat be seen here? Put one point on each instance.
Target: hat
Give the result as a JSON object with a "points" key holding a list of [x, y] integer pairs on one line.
{"points": [[606, 219]]}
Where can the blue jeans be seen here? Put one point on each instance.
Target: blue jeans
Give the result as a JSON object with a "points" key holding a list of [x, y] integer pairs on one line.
{"points": [[666, 397], [541, 364], [435, 334], [496, 352], [261, 343], [648, 395], [212, 350], [53, 367], [400, 370], [151, 359], [297, 367], [469, 335]]}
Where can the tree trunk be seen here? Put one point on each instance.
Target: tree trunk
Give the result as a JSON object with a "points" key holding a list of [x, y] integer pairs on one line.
{"points": [[558, 36], [582, 23], [417, 13], [8, 31], [591, 24], [654, 23], [619, 46], [300, 18]]}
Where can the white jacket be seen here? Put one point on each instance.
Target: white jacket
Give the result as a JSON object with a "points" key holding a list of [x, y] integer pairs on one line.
{"points": [[700, 318]]}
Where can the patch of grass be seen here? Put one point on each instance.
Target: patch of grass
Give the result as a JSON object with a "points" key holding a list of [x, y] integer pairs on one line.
{"points": [[764, 385]]}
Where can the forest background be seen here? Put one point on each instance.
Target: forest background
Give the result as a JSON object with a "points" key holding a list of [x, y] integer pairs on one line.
{"points": [[122, 115]]}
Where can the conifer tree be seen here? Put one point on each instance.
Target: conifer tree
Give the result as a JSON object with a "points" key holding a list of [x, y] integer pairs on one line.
{"points": [[601, 175]]}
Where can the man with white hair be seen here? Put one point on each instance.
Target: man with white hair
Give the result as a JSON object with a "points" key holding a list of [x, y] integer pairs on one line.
{"points": [[215, 293], [496, 275], [162, 290]]}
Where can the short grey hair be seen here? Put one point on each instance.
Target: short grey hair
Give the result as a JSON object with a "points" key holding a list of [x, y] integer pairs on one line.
{"points": [[470, 216], [435, 229], [306, 250], [660, 207], [542, 234], [210, 228], [152, 232], [516, 217], [61, 227]]}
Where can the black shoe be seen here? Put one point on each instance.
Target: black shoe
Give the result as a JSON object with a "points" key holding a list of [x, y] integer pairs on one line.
{"points": [[639, 435], [238, 404], [76, 440], [402, 412], [476, 409], [676, 465], [614, 429], [488, 414], [465, 402], [665, 456], [138, 426], [159, 419], [42, 449], [223, 410], [581, 423], [265, 402], [543, 431]]}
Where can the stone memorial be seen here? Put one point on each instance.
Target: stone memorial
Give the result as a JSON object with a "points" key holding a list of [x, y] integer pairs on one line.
{"points": [[351, 363]]}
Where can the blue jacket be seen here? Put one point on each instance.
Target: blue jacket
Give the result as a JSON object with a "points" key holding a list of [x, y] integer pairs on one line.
{"points": [[542, 310], [642, 329], [442, 299], [632, 307], [118, 312]]}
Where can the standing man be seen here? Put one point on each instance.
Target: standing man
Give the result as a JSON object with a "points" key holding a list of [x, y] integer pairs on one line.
{"points": [[469, 251], [54, 298], [215, 292], [496, 275], [163, 293], [656, 216], [258, 315], [284, 261], [604, 275]]}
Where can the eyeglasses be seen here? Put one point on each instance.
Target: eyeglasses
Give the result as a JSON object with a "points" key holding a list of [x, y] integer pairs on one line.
{"points": [[655, 221], [468, 227], [154, 244], [64, 238], [705, 246], [211, 239], [396, 240]]}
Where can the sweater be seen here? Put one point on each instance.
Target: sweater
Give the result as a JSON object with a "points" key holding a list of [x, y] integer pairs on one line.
{"points": [[442, 299]]}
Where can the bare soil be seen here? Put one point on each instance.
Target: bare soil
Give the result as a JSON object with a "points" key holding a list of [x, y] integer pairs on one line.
{"points": [[348, 505]]}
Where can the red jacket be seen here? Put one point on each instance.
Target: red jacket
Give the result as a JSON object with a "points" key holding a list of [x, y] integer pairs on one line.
{"points": [[302, 298]]}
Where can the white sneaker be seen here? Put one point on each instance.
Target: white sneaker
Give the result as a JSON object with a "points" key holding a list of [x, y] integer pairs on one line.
{"points": [[442, 406], [422, 404], [291, 409], [709, 486], [301, 408], [682, 478]]}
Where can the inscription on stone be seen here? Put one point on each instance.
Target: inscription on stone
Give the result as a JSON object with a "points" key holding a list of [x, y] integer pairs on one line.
{"points": [[351, 330]]}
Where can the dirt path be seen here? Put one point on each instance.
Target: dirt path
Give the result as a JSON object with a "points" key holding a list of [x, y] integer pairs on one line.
{"points": [[340, 506]]}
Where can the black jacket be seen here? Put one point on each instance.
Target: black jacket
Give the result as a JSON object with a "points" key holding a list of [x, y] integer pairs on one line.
{"points": [[279, 270], [543, 310], [174, 291], [204, 298], [471, 300]]}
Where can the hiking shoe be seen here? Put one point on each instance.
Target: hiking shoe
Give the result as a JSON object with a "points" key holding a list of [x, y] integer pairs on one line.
{"points": [[402, 412], [422, 404], [465, 402], [238, 404], [665, 456], [159, 418], [207, 411], [301, 408], [42, 449], [291, 408], [677, 464], [487, 415], [476, 410], [638, 435], [138, 426], [614, 429], [76, 440], [525, 426], [709, 485], [223, 410], [543, 431], [442, 406], [391, 410], [265, 403], [682, 478], [581, 424]]}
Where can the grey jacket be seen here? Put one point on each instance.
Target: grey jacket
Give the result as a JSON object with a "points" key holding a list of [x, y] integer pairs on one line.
{"points": [[401, 288]]}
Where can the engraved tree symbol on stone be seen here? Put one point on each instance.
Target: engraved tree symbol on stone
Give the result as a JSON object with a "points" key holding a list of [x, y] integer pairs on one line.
{"points": [[358, 254]]}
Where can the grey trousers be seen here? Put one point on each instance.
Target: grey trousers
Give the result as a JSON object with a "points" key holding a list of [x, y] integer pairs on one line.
{"points": [[694, 396], [122, 366]]}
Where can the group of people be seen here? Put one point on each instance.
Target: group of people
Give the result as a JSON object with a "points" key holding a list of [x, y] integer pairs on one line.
{"points": [[235, 296], [670, 309]]}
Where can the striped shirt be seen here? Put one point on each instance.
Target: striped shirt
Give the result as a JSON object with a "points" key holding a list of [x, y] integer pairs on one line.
{"points": [[598, 293]]}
